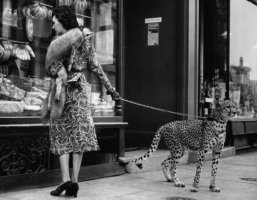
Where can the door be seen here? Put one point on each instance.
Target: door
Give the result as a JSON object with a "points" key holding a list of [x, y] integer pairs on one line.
{"points": [[152, 71]]}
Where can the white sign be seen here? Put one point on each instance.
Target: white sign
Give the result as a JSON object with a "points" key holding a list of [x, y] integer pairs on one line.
{"points": [[153, 20]]}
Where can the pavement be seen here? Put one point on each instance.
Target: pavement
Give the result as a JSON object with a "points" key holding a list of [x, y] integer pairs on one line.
{"points": [[237, 179]]}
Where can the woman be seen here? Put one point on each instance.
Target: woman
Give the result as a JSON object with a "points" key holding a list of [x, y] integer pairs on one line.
{"points": [[74, 131]]}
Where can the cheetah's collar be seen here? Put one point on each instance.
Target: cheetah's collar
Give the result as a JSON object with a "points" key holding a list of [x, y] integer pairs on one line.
{"points": [[212, 119], [207, 121]]}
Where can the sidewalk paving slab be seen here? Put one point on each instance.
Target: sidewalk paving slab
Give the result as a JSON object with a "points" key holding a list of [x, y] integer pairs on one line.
{"points": [[152, 185], [153, 163]]}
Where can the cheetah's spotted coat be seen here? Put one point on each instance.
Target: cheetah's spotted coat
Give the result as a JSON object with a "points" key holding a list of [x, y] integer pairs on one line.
{"points": [[195, 134]]}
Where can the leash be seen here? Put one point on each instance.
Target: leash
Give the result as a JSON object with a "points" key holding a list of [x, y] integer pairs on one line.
{"points": [[159, 109], [203, 125]]}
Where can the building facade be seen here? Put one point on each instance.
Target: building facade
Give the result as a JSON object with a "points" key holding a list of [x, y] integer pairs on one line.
{"points": [[26, 29], [170, 55], [179, 56], [161, 64]]}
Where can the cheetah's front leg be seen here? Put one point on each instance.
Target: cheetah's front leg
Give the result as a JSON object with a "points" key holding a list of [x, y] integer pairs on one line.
{"points": [[215, 161], [198, 170]]}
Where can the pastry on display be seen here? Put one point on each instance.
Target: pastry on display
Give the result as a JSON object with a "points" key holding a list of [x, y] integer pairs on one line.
{"points": [[29, 28], [80, 5], [12, 106], [38, 11], [24, 52], [15, 100]]}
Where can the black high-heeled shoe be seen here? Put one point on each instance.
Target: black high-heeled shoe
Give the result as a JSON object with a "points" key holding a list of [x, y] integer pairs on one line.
{"points": [[72, 190], [61, 188]]}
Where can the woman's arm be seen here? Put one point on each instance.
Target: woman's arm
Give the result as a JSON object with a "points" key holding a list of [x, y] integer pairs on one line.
{"points": [[89, 56], [99, 72]]}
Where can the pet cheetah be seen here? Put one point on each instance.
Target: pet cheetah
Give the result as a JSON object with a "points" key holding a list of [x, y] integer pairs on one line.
{"points": [[194, 134]]}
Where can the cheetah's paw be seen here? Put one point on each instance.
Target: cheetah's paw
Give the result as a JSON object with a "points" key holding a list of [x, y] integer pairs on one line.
{"points": [[214, 188], [180, 184], [194, 190]]}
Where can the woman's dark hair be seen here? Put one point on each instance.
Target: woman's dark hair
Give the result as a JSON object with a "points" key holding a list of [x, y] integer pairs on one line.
{"points": [[66, 16]]}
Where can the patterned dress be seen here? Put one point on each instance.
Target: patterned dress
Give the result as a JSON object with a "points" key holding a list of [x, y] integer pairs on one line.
{"points": [[74, 131]]}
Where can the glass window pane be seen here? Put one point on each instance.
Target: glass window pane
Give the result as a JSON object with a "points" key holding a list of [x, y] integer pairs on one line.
{"points": [[213, 69], [243, 57], [27, 34]]}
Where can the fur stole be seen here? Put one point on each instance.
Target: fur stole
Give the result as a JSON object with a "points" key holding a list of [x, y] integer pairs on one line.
{"points": [[55, 110], [62, 45], [58, 49]]}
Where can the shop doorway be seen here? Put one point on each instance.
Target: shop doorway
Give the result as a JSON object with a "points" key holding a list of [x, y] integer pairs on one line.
{"points": [[152, 67]]}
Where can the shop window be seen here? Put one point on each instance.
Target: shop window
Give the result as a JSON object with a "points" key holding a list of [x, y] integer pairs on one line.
{"points": [[23, 81], [243, 57], [214, 66]]}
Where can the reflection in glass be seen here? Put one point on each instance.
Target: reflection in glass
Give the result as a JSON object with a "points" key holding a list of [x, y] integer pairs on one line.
{"points": [[27, 31], [243, 57]]}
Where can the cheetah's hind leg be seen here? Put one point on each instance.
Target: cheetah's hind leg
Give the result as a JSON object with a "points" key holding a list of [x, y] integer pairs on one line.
{"points": [[139, 163], [176, 154], [166, 166]]}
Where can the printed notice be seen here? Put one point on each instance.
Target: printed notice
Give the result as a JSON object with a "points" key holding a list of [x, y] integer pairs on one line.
{"points": [[153, 34]]}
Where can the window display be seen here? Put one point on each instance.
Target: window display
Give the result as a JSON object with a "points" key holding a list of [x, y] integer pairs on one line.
{"points": [[230, 55], [213, 70], [243, 57], [25, 34]]}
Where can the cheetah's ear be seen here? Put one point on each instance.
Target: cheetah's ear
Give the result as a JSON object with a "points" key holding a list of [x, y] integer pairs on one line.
{"points": [[225, 103], [218, 103]]}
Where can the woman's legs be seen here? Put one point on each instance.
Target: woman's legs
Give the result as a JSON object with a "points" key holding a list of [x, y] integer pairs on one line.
{"points": [[77, 159], [64, 162]]}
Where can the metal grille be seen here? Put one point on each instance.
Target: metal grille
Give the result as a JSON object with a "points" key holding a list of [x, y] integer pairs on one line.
{"points": [[108, 143], [23, 155]]}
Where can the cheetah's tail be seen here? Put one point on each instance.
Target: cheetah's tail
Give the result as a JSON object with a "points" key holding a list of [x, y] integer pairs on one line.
{"points": [[152, 149]]}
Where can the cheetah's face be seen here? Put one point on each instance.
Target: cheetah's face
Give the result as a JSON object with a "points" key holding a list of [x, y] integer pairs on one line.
{"points": [[228, 109], [224, 110]]}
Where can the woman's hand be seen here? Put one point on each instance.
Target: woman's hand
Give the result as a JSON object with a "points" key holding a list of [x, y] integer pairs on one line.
{"points": [[115, 95]]}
